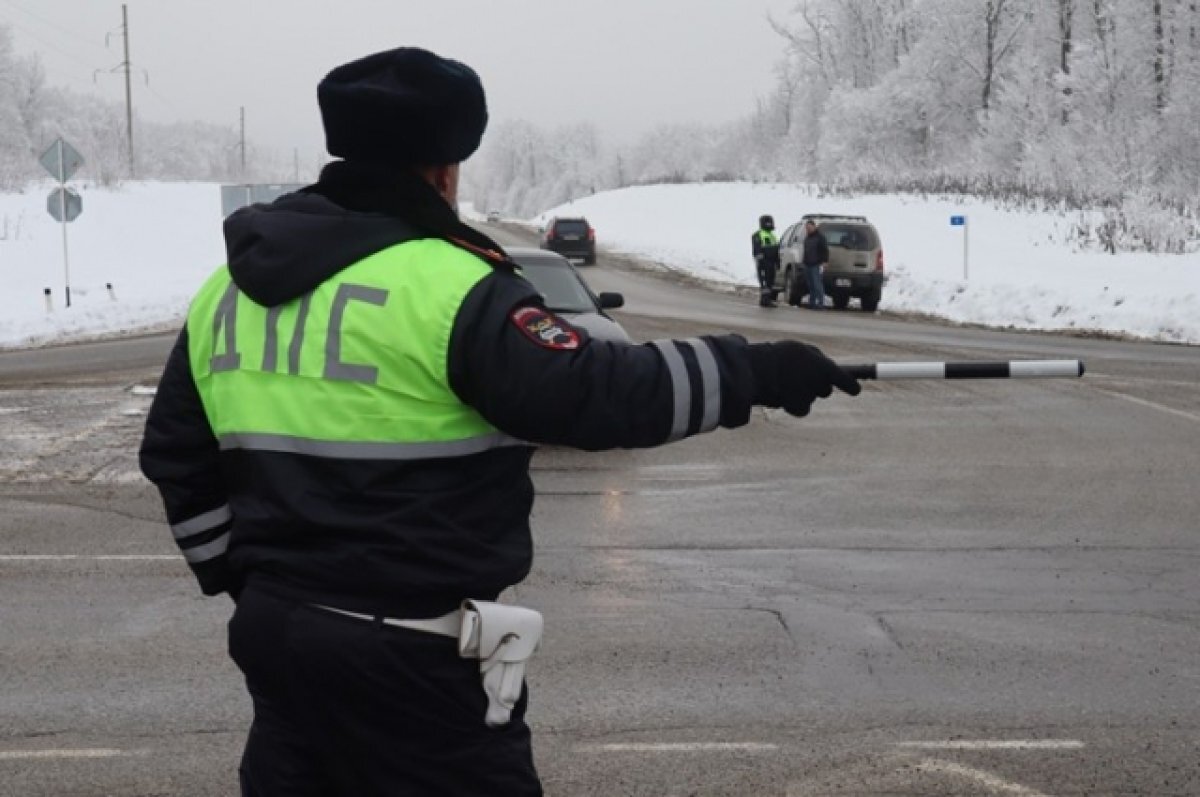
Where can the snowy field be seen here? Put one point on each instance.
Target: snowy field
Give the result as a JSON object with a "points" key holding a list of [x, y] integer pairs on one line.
{"points": [[1021, 272], [155, 243]]}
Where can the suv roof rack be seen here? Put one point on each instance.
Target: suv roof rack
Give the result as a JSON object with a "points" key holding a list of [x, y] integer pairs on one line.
{"points": [[841, 216]]}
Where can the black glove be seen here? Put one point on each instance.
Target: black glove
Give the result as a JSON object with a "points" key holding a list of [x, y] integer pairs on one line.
{"points": [[793, 375]]}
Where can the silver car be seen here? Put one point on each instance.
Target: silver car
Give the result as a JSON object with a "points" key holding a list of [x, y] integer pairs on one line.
{"points": [[566, 293]]}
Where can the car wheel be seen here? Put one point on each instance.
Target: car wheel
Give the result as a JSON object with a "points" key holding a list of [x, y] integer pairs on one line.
{"points": [[870, 301], [840, 300], [793, 287]]}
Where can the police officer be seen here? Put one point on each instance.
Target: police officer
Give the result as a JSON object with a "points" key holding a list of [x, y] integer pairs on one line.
{"points": [[765, 247], [343, 431]]}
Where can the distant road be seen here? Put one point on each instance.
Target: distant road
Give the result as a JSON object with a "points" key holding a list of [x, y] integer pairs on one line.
{"points": [[105, 360]]}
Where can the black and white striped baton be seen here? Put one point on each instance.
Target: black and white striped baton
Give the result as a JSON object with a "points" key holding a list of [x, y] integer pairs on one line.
{"points": [[1004, 369]]}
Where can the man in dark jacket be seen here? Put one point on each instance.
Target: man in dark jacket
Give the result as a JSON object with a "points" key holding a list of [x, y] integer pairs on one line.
{"points": [[764, 245], [342, 437], [815, 258]]}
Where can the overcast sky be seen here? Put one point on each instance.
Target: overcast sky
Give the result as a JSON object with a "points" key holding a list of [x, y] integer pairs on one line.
{"points": [[627, 65]]}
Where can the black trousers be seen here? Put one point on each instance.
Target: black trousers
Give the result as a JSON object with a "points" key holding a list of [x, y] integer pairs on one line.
{"points": [[353, 708], [766, 280]]}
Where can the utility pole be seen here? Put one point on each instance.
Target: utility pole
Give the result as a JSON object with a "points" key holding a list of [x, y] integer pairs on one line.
{"points": [[242, 138], [128, 91], [125, 66]]}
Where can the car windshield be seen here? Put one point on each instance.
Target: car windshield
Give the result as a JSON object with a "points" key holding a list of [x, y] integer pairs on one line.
{"points": [[849, 236], [570, 227], [559, 285]]}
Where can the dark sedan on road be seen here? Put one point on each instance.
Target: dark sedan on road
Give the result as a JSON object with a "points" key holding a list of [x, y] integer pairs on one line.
{"points": [[566, 293], [571, 237]]}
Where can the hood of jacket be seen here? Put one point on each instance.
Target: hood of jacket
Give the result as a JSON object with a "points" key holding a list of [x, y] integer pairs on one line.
{"points": [[282, 250]]}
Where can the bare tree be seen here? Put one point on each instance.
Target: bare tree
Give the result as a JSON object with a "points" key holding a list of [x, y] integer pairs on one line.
{"points": [[1105, 27], [1002, 22], [787, 85], [809, 43], [1160, 79], [1066, 13]]}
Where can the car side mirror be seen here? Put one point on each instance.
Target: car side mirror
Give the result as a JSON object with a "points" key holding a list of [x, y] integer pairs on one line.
{"points": [[611, 301]]}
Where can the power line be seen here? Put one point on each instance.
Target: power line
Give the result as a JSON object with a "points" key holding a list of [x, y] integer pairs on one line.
{"points": [[91, 67], [166, 102], [18, 7], [50, 45]]}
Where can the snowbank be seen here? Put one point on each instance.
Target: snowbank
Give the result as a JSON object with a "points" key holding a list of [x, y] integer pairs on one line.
{"points": [[156, 242], [1021, 271]]}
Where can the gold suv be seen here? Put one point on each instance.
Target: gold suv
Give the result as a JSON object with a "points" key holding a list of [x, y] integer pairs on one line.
{"points": [[855, 267]]}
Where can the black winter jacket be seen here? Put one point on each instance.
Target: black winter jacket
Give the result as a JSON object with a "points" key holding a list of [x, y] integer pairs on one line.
{"points": [[816, 249], [413, 538]]}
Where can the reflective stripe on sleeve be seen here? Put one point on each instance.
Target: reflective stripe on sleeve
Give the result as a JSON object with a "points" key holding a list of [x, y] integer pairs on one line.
{"points": [[712, 384], [681, 387], [209, 550], [201, 523]]}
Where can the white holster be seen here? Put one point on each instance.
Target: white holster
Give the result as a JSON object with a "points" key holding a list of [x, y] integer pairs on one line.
{"points": [[503, 638]]}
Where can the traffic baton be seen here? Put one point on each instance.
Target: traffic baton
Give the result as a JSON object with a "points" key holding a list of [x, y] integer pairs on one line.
{"points": [[1004, 369]]}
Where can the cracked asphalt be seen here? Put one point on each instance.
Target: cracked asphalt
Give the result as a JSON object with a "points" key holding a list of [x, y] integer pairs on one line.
{"points": [[932, 589]]}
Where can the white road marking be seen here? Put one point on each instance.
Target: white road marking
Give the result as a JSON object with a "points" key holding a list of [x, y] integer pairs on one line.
{"points": [[1191, 416], [680, 747], [985, 779], [15, 755], [997, 744], [69, 557]]}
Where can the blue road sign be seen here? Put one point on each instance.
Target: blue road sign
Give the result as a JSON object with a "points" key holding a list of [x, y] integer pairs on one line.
{"points": [[958, 221]]}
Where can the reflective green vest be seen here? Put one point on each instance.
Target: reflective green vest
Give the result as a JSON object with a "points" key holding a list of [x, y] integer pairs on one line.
{"points": [[767, 238], [356, 369]]}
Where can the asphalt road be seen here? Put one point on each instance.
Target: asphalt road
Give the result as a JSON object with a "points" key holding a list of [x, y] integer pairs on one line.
{"points": [[935, 588]]}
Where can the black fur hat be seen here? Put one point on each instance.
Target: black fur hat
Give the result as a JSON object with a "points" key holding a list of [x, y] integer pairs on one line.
{"points": [[406, 106]]}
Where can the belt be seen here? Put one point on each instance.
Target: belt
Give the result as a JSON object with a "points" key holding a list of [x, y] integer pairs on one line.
{"points": [[446, 625], [501, 637]]}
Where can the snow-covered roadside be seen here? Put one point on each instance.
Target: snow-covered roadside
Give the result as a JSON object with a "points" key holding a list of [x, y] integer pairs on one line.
{"points": [[1020, 270], [156, 242], [153, 242]]}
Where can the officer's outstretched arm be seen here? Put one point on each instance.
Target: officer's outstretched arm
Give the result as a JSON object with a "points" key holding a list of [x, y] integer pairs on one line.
{"points": [[180, 455], [535, 377]]}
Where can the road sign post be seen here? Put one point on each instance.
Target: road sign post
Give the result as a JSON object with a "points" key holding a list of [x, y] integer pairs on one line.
{"points": [[62, 160], [961, 221]]}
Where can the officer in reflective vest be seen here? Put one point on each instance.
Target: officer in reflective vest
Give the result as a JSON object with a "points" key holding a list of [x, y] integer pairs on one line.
{"points": [[765, 247], [342, 437]]}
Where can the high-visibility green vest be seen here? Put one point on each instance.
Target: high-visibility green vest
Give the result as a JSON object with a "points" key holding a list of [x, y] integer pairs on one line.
{"points": [[357, 368], [767, 238]]}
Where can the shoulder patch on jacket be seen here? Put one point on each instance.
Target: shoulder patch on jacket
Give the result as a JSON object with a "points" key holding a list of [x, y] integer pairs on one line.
{"points": [[545, 328]]}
